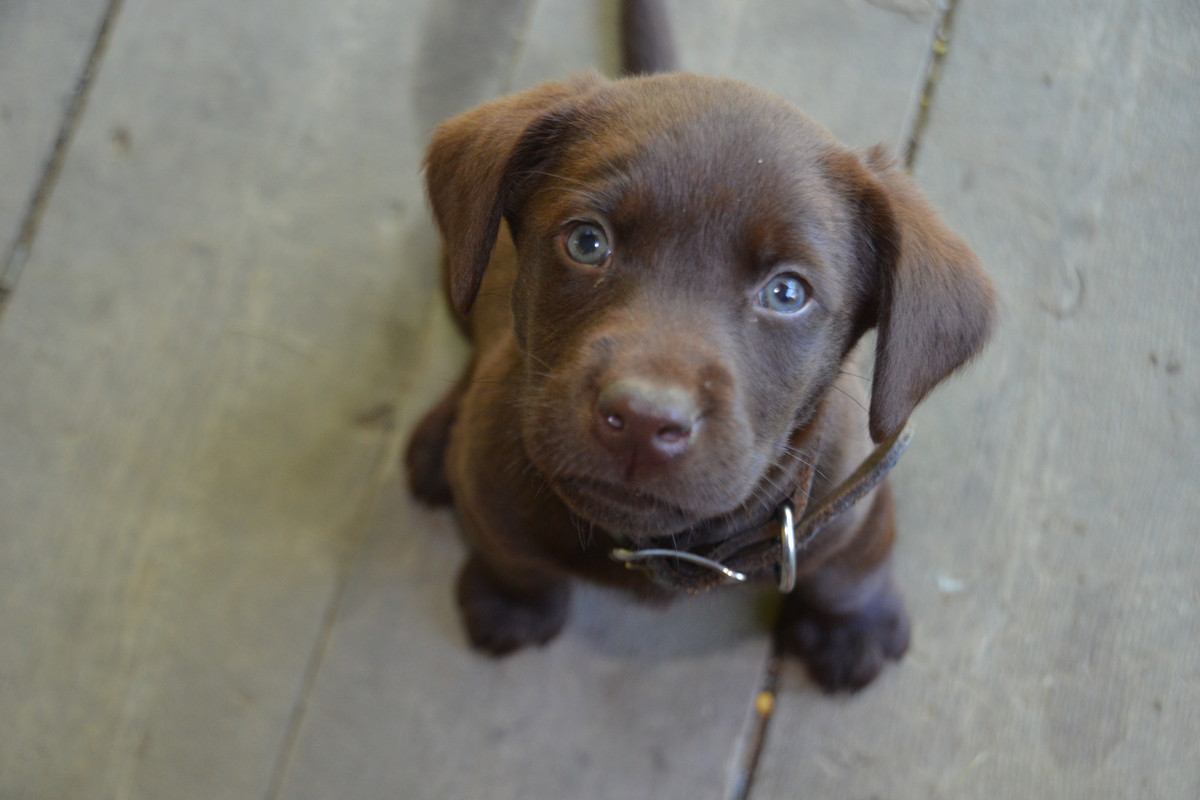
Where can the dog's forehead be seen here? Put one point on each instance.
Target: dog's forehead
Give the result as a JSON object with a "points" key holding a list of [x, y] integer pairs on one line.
{"points": [[677, 148]]}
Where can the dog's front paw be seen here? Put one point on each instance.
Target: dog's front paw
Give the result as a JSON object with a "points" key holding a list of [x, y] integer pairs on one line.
{"points": [[499, 622], [845, 652]]}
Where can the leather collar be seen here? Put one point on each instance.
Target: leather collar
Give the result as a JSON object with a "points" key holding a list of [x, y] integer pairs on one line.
{"points": [[694, 562]]}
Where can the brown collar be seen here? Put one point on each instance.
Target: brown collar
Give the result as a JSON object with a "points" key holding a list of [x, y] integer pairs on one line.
{"points": [[769, 547]]}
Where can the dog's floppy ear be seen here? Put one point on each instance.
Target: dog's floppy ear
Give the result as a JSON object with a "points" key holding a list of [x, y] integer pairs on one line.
{"points": [[934, 304], [467, 170]]}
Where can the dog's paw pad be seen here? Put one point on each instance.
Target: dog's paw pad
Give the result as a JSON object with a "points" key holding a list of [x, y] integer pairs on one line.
{"points": [[498, 623], [845, 652]]}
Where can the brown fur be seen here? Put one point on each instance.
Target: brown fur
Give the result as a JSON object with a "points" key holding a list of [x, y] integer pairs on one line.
{"points": [[707, 186]]}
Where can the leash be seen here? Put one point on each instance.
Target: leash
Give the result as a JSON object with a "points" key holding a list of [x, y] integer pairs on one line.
{"points": [[771, 548]]}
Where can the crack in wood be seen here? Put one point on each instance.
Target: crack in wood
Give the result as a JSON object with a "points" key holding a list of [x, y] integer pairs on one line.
{"points": [[380, 419], [755, 740], [933, 71], [742, 782], [14, 260]]}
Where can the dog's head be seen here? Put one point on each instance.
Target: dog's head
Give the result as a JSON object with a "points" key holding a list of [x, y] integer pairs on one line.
{"points": [[696, 259]]}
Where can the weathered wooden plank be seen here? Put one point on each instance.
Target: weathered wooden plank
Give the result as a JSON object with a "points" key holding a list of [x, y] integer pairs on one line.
{"points": [[1049, 510], [628, 699], [629, 702], [219, 292], [44, 45], [854, 65]]}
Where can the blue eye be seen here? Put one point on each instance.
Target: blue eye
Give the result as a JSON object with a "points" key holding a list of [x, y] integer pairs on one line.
{"points": [[786, 293], [588, 244]]}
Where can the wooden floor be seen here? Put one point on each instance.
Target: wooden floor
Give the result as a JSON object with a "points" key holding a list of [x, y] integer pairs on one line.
{"points": [[213, 585]]}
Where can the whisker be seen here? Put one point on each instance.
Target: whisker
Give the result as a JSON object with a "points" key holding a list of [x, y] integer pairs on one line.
{"points": [[863, 378], [556, 176], [856, 401], [798, 457], [549, 369], [766, 477], [578, 531]]}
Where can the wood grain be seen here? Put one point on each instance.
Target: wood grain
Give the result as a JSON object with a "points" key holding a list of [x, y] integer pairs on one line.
{"points": [[629, 702], [214, 301], [1048, 508]]}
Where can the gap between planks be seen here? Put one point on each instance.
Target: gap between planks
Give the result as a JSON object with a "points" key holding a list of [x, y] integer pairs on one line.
{"points": [[359, 524], [750, 749], [18, 254], [932, 73]]}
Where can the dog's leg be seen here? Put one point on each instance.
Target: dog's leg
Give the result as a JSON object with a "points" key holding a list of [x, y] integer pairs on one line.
{"points": [[503, 612], [847, 619], [425, 458]]}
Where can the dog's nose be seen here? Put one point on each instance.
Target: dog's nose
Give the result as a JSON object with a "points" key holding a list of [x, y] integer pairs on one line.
{"points": [[647, 422]]}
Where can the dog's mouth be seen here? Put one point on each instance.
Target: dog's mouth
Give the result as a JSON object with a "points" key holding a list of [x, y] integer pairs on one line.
{"points": [[625, 510], [626, 497], [636, 513]]}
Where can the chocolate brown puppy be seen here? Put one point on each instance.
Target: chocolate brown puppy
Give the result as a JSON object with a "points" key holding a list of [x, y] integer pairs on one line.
{"points": [[665, 278]]}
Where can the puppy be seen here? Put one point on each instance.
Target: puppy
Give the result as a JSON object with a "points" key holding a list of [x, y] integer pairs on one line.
{"points": [[664, 278]]}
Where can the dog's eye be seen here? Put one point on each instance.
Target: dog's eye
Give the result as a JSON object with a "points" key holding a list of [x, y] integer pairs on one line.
{"points": [[588, 244], [786, 293]]}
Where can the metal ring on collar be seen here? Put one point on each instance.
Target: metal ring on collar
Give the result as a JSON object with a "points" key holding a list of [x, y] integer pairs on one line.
{"points": [[787, 547]]}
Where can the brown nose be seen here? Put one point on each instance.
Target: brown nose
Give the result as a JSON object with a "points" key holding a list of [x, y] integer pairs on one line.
{"points": [[645, 422]]}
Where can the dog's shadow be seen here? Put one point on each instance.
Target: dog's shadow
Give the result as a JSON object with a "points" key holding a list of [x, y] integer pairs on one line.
{"points": [[618, 625], [603, 623]]}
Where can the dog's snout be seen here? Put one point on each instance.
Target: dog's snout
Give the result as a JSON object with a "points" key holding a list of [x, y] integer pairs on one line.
{"points": [[646, 422]]}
